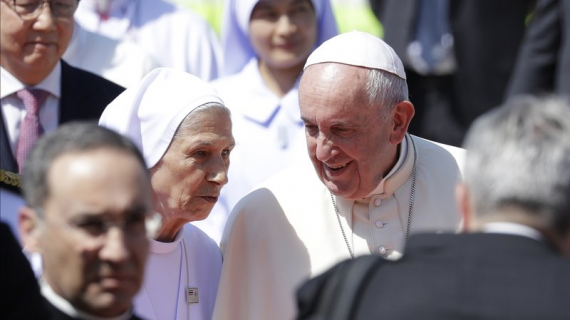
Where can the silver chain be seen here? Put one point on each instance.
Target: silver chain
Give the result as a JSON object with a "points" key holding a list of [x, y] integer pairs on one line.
{"points": [[410, 211]]}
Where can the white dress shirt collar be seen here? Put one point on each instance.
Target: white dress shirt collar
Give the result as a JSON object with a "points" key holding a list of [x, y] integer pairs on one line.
{"points": [[66, 307], [52, 83], [513, 229]]}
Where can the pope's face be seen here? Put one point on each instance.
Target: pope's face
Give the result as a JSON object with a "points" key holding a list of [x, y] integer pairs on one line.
{"points": [[348, 142], [30, 49], [283, 32], [188, 179], [98, 270]]}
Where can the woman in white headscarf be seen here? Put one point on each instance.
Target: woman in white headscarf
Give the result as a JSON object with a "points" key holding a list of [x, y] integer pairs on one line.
{"points": [[184, 132], [265, 44]]}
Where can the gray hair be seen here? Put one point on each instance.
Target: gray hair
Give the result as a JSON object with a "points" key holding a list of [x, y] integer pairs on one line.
{"points": [[386, 89], [519, 157], [191, 121], [72, 137]]}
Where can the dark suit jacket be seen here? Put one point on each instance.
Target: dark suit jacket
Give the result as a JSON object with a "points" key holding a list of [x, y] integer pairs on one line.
{"points": [[466, 276], [20, 298], [84, 96], [487, 35], [543, 65], [54, 313]]}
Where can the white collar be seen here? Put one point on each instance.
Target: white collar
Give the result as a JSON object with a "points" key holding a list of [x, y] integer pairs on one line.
{"points": [[166, 247], [262, 109], [380, 189], [10, 84], [66, 307], [512, 229]]}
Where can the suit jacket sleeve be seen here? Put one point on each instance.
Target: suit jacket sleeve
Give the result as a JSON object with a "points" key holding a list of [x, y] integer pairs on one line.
{"points": [[537, 62], [21, 298]]}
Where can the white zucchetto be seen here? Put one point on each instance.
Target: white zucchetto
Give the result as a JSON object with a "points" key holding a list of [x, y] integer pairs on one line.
{"points": [[150, 112], [359, 49]]}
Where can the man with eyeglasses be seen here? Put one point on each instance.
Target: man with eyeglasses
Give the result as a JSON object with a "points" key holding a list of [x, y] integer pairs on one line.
{"points": [[88, 213], [38, 90]]}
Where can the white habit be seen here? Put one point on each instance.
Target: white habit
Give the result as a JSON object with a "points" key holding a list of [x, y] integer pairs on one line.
{"points": [[174, 36], [149, 113], [287, 231], [123, 62], [268, 129], [170, 271]]}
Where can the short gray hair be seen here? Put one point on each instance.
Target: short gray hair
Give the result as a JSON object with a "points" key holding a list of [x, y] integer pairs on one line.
{"points": [[518, 156], [191, 121], [73, 137], [386, 89]]}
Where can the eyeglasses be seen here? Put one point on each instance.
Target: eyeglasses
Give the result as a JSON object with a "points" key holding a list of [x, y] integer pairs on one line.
{"points": [[135, 226], [31, 9]]}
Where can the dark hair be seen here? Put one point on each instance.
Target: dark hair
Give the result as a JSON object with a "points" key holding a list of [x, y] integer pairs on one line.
{"points": [[68, 138]]}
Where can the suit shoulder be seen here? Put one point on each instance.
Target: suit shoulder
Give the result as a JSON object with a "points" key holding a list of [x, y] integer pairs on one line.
{"points": [[97, 81]]}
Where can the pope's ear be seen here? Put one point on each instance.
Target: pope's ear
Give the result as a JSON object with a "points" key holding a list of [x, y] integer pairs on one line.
{"points": [[29, 225], [401, 117]]}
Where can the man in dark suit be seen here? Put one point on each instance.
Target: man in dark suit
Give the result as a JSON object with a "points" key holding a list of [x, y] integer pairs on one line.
{"points": [[21, 298], [543, 65], [472, 45], [515, 203], [34, 36], [88, 208]]}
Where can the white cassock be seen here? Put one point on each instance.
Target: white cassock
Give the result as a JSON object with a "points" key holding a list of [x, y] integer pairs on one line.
{"points": [[269, 136], [174, 36], [287, 231], [171, 270], [123, 62]]}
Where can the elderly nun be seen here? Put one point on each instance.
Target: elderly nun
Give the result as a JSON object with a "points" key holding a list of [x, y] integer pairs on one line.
{"points": [[185, 134], [266, 44]]}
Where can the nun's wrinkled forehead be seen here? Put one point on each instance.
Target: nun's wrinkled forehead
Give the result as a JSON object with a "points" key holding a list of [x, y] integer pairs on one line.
{"points": [[150, 112]]}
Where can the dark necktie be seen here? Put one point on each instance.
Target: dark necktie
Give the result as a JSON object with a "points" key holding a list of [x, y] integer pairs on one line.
{"points": [[30, 129]]}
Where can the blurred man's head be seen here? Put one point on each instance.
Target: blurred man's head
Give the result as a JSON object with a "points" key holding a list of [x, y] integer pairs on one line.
{"points": [[355, 111], [88, 195], [518, 167], [34, 35]]}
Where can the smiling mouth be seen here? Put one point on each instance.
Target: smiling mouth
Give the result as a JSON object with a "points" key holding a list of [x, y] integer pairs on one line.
{"points": [[335, 168]]}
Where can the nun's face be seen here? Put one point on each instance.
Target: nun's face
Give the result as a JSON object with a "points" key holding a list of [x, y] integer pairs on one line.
{"points": [[283, 32], [188, 179]]}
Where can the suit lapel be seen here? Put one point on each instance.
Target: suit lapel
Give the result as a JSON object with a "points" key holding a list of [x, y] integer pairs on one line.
{"points": [[7, 160], [69, 95]]}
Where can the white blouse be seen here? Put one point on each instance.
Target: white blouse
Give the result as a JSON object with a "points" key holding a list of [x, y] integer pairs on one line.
{"points": [[193, 260]]}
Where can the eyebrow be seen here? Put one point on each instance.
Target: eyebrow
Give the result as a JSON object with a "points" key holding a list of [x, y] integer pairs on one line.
{"points": [[333, 124], [206, 143], [268, 4]]}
